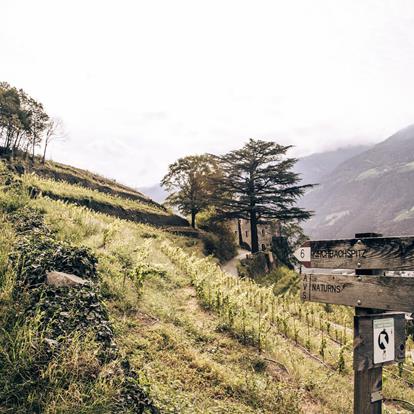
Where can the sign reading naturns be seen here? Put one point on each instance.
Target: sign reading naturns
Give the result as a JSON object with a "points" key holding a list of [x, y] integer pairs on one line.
{"points": [[380, 292]]}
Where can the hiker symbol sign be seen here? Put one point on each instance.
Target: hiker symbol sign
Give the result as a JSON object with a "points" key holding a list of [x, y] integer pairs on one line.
{"points": [[384, 344]]}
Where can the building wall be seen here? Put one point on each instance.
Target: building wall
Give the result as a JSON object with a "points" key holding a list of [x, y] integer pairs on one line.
{"points": [[265, 233]]}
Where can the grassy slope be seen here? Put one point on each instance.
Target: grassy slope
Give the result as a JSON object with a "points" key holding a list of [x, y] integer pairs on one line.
{"points": [[190, 367], [194, 365], [82, 187], [76, 193], [179, 331]]}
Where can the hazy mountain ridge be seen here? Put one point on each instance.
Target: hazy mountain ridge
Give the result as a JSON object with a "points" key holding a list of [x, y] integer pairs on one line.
{"points": [[312, 169], [154, 192], [371, 191], [316, 166]]}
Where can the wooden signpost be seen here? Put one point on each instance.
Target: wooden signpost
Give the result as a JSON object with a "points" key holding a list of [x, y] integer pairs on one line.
{"points": [[379, 292], [379, 333], [391, 253]]}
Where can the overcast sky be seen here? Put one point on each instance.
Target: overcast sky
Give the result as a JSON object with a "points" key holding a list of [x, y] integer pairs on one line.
{"points": [[141, 83]]}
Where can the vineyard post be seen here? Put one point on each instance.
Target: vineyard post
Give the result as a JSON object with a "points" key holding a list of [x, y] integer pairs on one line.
{"points": [[367, 383]]}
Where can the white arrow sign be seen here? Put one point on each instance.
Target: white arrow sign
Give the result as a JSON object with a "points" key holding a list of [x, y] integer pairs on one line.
{"points": [[383, 340], [303, 254], [384, 344]]}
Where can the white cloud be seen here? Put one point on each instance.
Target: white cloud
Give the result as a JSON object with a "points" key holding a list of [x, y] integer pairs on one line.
{"points": [[140, 83]]}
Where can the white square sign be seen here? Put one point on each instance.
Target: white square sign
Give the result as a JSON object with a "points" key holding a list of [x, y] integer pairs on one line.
{"points": [[384, 344]]}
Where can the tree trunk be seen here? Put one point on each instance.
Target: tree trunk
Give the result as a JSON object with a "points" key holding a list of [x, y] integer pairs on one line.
{"points": [[33, 150], [44, 153], [239, 229], [193, 216], [253, 231]]}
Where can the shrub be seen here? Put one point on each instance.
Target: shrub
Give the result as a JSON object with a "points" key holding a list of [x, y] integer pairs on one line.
{"points": [[253, 266], [57, 348], [218, 240], [286, 281]]}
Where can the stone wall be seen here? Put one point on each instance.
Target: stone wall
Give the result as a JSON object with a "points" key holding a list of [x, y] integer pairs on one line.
{"points": [[242, 234]]}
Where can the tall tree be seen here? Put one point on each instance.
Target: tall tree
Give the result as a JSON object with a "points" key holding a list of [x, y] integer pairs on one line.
{"points": [[38, 123], [258, 184], [54, 131], [188, 181], [10, 107], [22, 120]]}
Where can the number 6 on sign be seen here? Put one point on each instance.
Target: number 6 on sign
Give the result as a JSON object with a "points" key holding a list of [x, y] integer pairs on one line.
{"points": [[303, 254]]}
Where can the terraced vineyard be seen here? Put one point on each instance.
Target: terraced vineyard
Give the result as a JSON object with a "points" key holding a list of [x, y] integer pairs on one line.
{"points": [[256, 316], [202, 341], [125, 206]]}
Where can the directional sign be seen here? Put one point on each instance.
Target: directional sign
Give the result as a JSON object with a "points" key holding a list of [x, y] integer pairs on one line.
{"points": [[379, 340], [379, 292], [383, 339], [384, 344], [303, 254], [393, 253]]}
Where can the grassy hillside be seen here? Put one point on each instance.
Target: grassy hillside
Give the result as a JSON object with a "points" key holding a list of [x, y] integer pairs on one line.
{"points": [[158, 327], [83, 188]]}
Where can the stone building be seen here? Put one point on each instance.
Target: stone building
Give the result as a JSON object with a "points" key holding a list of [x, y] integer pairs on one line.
{"points": [[242, 233]]}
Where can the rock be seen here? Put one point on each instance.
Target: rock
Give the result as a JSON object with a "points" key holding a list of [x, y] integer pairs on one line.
{"points": [[51, 342], [59, 279]]}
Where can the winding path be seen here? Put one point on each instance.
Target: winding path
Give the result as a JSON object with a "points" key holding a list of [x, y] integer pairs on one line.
{"points": [[231, 265]]}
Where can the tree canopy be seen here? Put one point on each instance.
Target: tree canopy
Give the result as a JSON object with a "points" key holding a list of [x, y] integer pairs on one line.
{"points": [[257, 183], [24, 123], [189, 183]]}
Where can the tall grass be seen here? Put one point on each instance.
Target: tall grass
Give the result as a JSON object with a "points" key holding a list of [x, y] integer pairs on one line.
{"points": [[65, 190], [256, 316]]}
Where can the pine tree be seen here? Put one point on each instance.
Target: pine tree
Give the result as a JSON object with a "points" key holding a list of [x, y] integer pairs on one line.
{"points": [[257, 183]]}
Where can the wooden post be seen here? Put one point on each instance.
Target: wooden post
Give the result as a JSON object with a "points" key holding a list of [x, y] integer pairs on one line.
{"points": [[367, 383]]}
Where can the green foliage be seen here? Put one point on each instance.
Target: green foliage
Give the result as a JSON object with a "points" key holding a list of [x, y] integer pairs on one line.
{"points": [[341, 360], [13, 195], [39, 253], [72, 192], [294, 234], [274, 324], [218, 240], [188, 179], [53, 360], [282, 251], [254, 266], [143, 270], [257, 184], [57, 346], [286, 281], [7, 239], [22, 120]]}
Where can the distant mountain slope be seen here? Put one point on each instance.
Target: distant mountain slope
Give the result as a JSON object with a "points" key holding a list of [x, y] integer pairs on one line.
{"points": [[312, 168], [372, 191], [315, 166], [155, 192]]}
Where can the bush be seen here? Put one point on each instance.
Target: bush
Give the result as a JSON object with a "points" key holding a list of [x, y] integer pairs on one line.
{"points": [[218, 240], [57, 348], [253, 266], [286, 281], [282, 280]]}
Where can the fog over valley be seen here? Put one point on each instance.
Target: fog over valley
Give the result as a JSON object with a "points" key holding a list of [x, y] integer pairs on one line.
{"points": [[149, 84]]}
